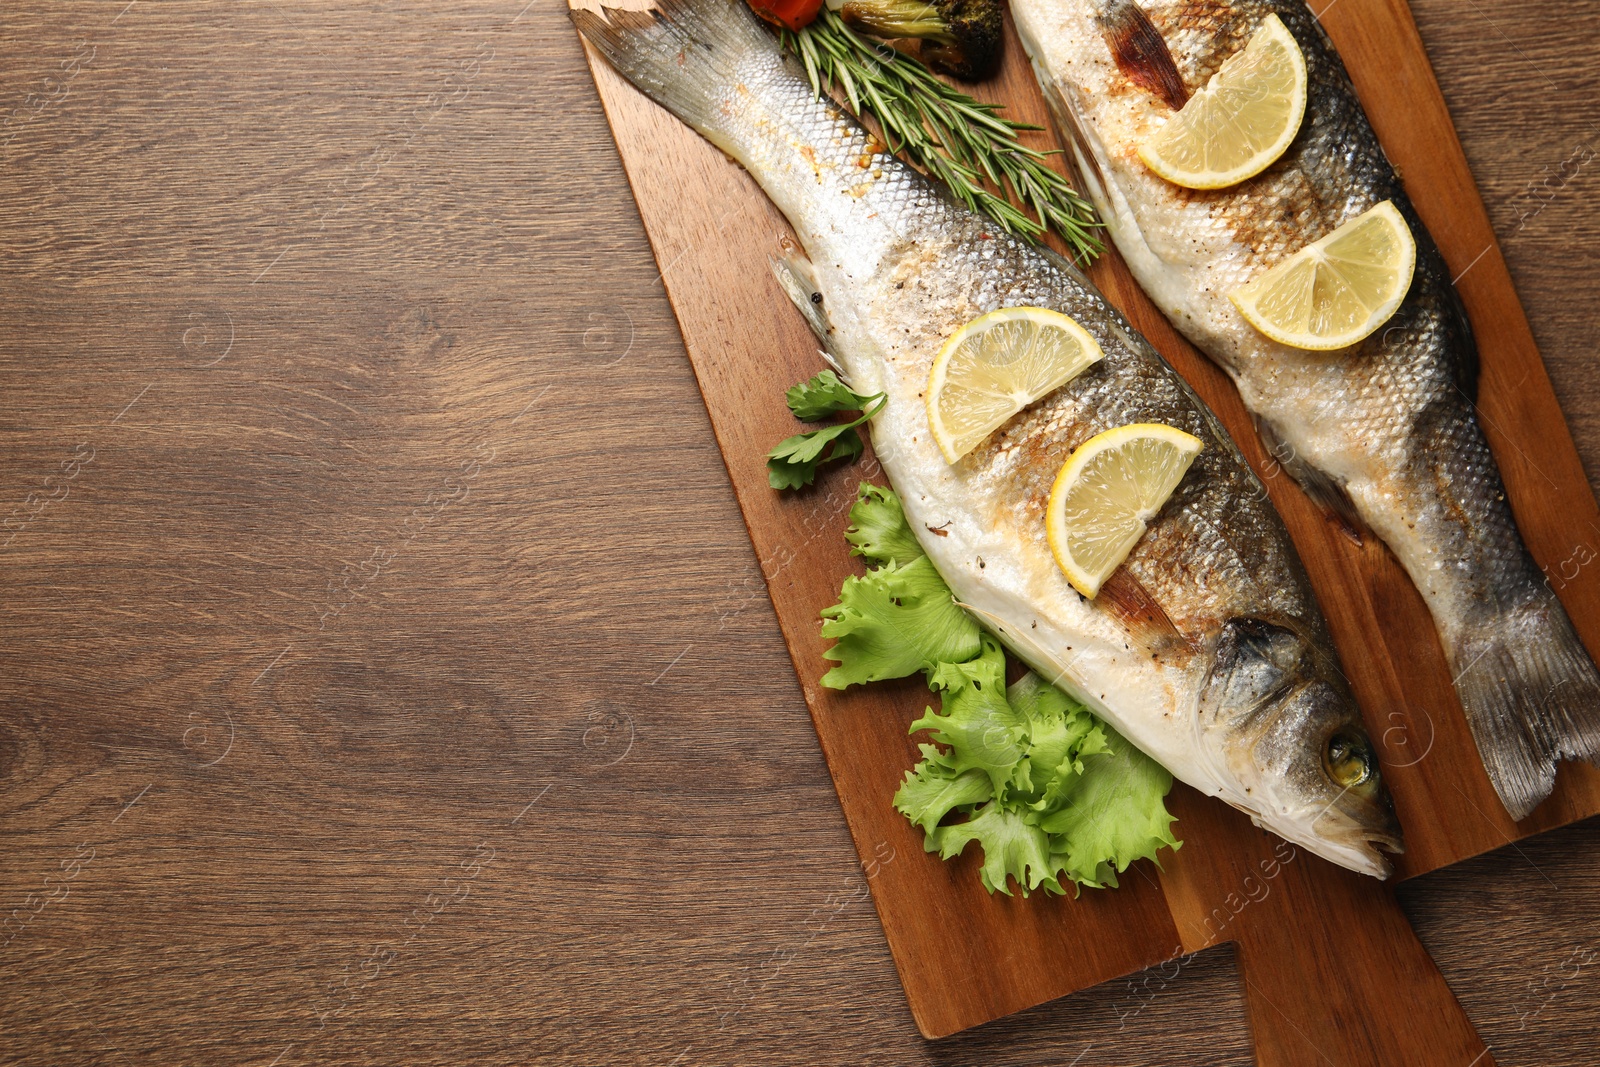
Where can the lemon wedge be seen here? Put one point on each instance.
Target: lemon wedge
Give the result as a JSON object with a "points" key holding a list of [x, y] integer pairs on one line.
{"points": [[1337, 290], [1241, 121], [995, 366], [1108, 490]]}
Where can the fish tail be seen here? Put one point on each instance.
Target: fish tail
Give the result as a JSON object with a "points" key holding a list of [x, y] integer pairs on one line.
{"points": [[683, 54], [1532, 698]]}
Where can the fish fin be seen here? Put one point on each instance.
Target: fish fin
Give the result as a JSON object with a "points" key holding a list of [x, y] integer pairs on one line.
{"points": [[1085, 163], [1464, 347], [1532, 697], [1324, 490], [1124, 596], [681, 53], [1141, 53], [798, 278]]}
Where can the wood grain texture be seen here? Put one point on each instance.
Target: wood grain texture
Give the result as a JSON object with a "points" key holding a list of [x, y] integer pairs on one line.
{"points": [[1312, 930], [398, 281]]}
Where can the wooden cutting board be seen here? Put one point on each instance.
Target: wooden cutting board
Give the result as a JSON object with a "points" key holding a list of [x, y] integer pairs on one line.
{"points": [[1332, 972]]}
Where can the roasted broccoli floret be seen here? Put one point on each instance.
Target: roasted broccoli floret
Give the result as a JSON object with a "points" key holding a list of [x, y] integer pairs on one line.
{"points": [[959, 37]]}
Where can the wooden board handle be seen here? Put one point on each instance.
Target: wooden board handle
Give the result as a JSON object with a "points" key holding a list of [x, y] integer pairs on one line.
{"points": [[1330, 968], [1313, 1001]]}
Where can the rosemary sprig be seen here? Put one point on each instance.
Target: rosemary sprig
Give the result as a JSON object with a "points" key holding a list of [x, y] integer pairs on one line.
{"points": [[954, 138]]}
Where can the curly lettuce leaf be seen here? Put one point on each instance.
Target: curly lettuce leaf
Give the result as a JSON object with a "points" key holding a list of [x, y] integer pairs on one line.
{"points": [[931, 792], [1053, 796], [1059, 731], [983, 731], [878, 528], [894, 621], [1112, 814], [1013, 848]]}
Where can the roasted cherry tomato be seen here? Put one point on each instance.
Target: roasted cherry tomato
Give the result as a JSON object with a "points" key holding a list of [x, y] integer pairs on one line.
{"points": [[790, 13]]}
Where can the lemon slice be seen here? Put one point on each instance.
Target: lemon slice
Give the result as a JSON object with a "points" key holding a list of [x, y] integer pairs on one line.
{"points": [[1106, 493], [1335, 291], [1241, 121], [995, 366]]}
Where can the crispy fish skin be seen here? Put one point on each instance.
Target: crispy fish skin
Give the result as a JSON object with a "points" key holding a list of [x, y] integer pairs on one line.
{"points": [[1383, 433], [1214, 658]]}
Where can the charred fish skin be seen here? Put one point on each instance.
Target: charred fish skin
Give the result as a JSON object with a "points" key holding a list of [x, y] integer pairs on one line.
{"points": [[1384, 434], [1208, 651]]}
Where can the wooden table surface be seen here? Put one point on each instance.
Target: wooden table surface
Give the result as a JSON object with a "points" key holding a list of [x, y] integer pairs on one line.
{"points": [[385, 673]]}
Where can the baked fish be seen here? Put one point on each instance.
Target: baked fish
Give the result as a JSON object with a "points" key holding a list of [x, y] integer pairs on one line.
{"points": [[1382, 433], [1207, 650]]}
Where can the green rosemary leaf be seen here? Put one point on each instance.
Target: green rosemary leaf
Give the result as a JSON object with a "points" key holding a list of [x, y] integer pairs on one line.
{"points": [[965, 143]]}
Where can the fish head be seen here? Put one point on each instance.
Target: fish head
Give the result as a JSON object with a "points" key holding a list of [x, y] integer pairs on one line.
{"points": [[1277, 712]]}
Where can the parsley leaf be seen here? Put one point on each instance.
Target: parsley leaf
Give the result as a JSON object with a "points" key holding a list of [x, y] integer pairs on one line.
{"points": [[793, 462], [824, 394]]}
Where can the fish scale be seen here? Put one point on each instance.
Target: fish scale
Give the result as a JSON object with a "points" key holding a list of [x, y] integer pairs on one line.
{"points": [[1383, 433], [892, 268]]}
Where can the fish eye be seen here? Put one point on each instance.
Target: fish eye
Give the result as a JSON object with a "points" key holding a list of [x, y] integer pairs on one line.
{"points": [[1349, 759]]}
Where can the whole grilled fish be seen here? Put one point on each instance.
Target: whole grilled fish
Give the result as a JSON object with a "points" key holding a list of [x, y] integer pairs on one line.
{"points": [[1207, 651], [1382, 433]]}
